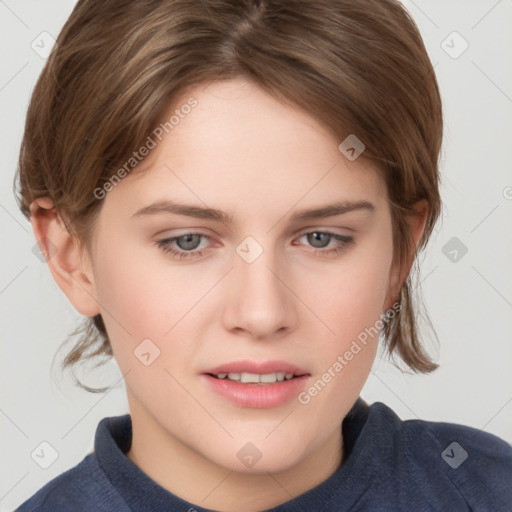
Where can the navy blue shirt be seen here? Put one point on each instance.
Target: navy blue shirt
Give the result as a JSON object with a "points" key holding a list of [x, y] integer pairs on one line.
{"points": [[389, 465]]}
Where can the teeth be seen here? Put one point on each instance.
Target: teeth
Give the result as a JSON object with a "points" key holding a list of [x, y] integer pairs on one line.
{"points": [[266, 378], [249, 377]]}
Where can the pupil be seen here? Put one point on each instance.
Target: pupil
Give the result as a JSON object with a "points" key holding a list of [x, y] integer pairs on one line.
{"points": [[190, 242], [314, 238]]}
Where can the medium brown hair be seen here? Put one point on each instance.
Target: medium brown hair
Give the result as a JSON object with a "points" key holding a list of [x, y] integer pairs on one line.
{"points": [[357, 67]]}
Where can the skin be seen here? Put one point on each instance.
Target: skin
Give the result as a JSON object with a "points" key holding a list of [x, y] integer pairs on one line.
{"points": [[241, 151]]}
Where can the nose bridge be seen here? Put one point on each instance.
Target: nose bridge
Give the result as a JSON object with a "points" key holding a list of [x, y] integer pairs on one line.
{"points": [[257, 267], [261, 303]]}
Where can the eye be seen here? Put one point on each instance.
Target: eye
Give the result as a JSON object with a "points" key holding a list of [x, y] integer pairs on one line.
{"points": [[187, 245], [319, 240]]}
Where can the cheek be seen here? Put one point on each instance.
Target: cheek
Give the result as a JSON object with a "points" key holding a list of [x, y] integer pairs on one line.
{"points": [[350, 296], [141, 289], [143, 297], [346, 349], [349, 300]]}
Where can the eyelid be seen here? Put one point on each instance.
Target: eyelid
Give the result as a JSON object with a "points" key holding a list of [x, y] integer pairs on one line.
{"points": [[326, 229], [178, 232]]}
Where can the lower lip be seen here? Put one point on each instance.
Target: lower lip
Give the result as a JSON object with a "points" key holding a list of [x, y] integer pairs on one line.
{"points": [[257, 396]]}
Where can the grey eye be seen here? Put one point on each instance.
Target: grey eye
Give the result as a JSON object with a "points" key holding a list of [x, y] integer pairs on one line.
{"points": [[188, 242], [317, 239]]}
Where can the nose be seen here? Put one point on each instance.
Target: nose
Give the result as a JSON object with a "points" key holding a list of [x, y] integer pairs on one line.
{"points": [[258, 299]]}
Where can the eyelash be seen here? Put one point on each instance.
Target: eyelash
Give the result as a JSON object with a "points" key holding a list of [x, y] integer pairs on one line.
{"points": [[342, 245]]}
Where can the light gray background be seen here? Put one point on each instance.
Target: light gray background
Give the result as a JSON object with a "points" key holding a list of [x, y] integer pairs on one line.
{"points": [[470, 300]]}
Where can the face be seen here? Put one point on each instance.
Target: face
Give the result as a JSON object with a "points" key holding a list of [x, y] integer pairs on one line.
{"points": [[265, 288]]}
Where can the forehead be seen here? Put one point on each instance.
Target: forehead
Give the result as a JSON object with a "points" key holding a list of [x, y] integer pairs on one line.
{"points": [[238, 142]]}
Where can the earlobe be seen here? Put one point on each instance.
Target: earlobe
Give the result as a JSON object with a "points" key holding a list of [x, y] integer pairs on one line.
{"points": [[73, 276]]}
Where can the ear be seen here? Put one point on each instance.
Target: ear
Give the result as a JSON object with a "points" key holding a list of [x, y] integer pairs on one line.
{"points": [[416, 225], [72, 273]]}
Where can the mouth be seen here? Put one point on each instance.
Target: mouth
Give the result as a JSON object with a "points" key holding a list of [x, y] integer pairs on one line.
{"points": [[256, 372], [257, 384], [255, 378]]}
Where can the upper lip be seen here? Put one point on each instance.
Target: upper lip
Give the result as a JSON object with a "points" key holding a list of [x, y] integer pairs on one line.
{"points": [[258, 367]]}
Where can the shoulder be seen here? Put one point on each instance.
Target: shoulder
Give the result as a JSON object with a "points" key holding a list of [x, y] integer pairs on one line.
{"points": [[81, 488], [475, 464]]}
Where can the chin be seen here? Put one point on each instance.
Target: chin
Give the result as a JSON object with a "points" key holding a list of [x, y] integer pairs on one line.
{"points": [[253, 458]]}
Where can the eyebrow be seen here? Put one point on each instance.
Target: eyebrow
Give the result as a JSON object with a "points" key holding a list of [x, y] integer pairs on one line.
{"points": [[328, 210]]}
